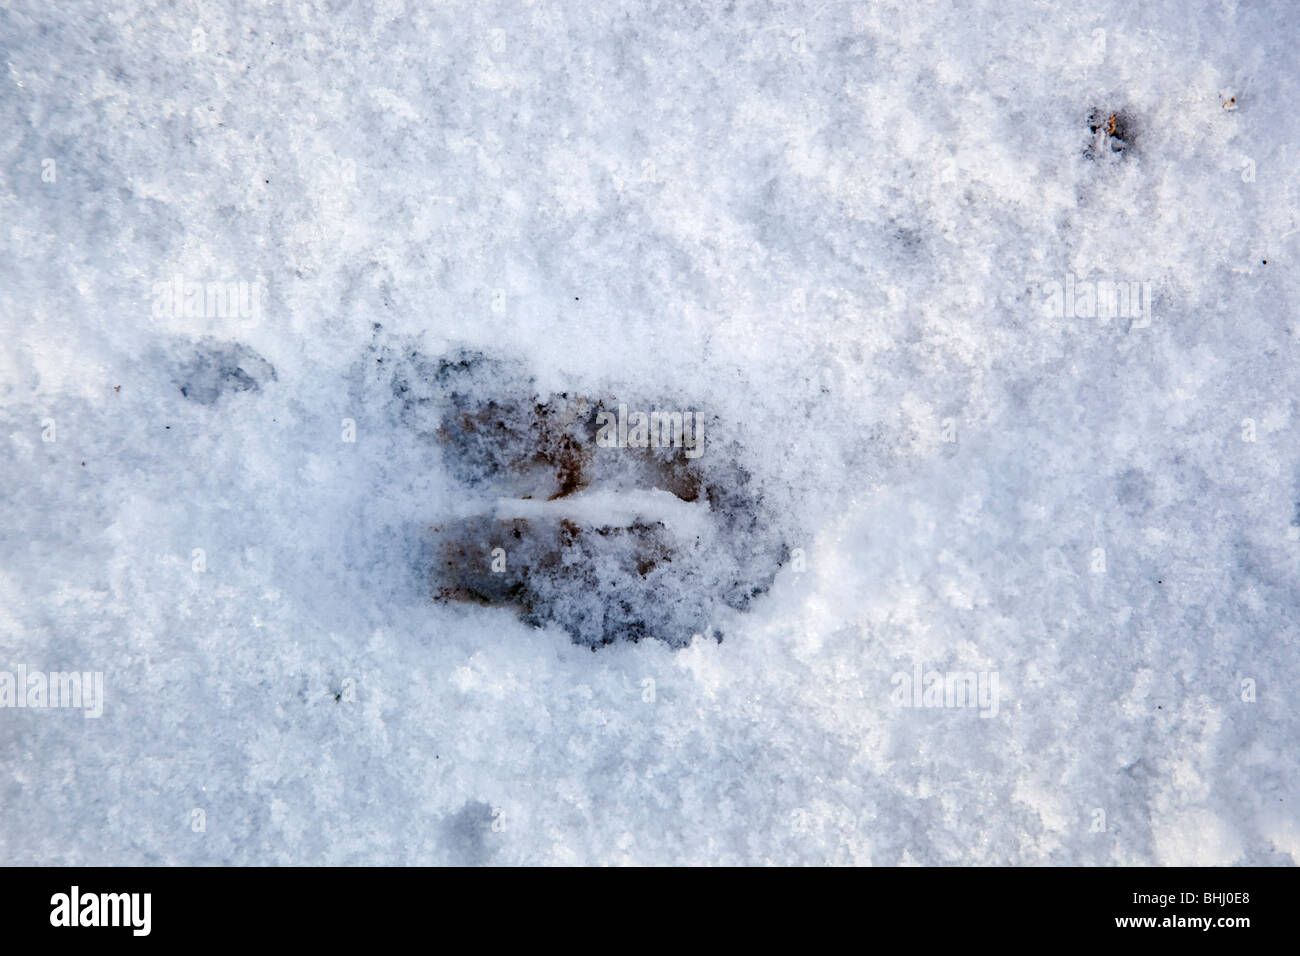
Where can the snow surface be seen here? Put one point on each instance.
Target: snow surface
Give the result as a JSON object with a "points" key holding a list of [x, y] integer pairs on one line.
{"points": [[828, 225]]}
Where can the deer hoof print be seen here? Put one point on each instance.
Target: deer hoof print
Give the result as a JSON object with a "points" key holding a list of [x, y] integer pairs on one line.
{"points": [[612, 517]]}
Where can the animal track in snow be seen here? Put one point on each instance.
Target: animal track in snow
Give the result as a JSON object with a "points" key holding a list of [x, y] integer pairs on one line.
{"points": [[215, 368], [607, 541]]}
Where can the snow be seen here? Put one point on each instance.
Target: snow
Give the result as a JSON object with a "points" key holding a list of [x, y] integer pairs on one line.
{"points": [[831, 228]]}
